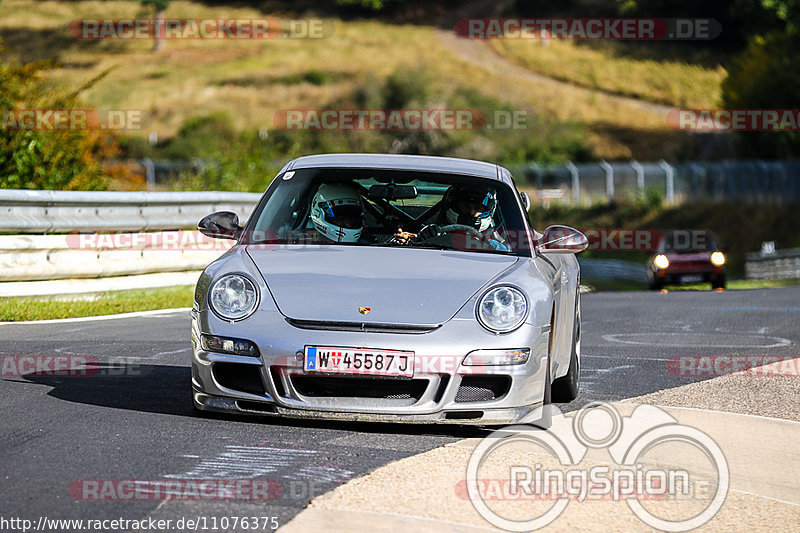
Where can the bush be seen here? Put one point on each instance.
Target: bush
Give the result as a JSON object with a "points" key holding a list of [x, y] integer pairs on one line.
{"points": [[45, 159]]}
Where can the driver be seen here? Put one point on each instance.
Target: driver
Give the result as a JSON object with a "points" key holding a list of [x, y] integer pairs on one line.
{"points": [[467, 205], [337, 212]]}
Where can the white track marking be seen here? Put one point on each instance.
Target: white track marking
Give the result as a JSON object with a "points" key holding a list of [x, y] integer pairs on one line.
{"points": [[632, 357], [682, 340]]}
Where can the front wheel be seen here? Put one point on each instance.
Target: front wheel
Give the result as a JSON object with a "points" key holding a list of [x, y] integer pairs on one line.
{"points": [[718, 282], [566, 388]]}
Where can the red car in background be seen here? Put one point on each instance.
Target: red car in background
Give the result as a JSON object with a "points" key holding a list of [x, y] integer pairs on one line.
{"points": [[687, 256]]}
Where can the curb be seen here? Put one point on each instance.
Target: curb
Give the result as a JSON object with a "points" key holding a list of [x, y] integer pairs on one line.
{"points": [[403, 495]]}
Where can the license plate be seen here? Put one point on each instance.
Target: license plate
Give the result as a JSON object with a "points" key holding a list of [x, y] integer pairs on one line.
{"points": [[691, 278], [334, 360]]}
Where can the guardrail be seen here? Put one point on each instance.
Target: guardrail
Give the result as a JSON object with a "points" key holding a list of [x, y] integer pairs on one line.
{"points": [[49, 257], [24, 211], [612, 269], [100, 234], [780, 264]]}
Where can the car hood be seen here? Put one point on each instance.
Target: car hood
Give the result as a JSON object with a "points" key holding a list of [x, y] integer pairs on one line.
{"points": [[399, 286], [688, 257]]}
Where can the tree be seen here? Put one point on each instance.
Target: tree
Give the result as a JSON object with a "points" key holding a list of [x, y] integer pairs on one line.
{"points": [[158, 28], [767, 76]]}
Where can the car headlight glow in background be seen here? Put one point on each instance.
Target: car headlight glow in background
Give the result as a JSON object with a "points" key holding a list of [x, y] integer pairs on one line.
{"points": [[233, 297], [661, 261], [502, 309], [718, 259]]}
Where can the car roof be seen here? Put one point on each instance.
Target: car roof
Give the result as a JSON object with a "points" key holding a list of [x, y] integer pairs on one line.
{"points": [[403, 162]]}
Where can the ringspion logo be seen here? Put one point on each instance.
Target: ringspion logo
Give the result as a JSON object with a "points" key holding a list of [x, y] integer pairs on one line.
{"points": [[545, 469]]}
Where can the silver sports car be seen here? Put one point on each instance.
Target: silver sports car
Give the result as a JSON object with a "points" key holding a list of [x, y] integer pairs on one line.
{"points": [[388, 288]]}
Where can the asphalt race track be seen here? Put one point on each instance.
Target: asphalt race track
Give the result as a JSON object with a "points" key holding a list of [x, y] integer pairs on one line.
{"points": [[133, 419]]}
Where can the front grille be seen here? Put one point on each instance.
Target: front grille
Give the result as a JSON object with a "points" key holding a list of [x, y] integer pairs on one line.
{"points": [[362, 327], [692, 265], [238, 377], [482, 388], [390, 389]]}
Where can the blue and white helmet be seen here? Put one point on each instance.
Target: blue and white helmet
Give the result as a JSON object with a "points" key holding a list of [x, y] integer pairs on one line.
{"points": [[471, 205], [337, 212]]}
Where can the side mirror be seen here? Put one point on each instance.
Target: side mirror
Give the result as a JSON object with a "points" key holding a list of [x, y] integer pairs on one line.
{"points": [[563, 240], [526, 201], [220, 225]]}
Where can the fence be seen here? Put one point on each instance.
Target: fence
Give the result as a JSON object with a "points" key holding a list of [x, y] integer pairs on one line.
{"points": [[585, 184]]}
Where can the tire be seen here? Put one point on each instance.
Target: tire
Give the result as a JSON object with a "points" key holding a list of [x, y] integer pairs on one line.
{"points": [[654, 283], [565, 389], [718, 282]]}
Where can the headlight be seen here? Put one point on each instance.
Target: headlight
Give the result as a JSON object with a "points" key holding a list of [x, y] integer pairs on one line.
{"points": [[661, 261], [502, 309], [233, 297], [718, 259], [212, 343], [497, 357]]}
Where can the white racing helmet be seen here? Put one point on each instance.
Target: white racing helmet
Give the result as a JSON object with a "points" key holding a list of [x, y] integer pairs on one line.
{"points": [[337, 212]]}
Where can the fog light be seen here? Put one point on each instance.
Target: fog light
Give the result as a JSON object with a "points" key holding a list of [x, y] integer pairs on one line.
{"points": [[226, 345], [497, 357], [661, 261], [718, 259]]}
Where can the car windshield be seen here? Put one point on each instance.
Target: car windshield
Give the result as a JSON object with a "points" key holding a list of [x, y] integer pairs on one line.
{"points": [[367, 207], [689, 241]]}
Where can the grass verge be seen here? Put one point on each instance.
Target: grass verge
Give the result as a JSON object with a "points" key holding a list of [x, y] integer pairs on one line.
{"points": [[22, 309], [599, 285], [599, 66], [739, 284]]}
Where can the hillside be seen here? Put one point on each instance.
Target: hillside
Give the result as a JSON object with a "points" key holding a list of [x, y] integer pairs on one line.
{"points": [[250, 80]]}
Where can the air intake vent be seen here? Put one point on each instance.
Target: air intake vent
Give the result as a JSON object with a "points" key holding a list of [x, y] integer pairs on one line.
{"points": [[390, 389], [482, 388], [243, 378]]}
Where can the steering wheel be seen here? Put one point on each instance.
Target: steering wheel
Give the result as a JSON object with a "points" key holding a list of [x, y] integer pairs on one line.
{"points": [[466, 230]]}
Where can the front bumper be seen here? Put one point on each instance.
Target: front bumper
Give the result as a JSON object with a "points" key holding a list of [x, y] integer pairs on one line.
{"points": [[441, 391]]}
